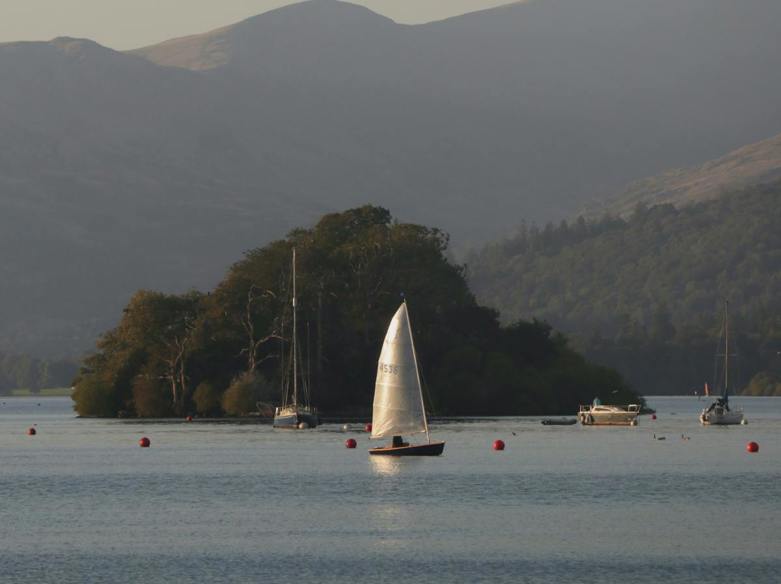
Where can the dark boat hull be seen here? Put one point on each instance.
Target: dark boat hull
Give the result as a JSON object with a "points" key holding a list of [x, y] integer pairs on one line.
{"points": [[554, 422], [430, 449]]}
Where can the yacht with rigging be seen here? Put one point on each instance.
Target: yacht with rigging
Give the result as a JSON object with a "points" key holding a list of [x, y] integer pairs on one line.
{"points": [[296, 411], [719, 413]]}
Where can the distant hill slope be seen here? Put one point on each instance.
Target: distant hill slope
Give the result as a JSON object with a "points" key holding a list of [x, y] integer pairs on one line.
{"points": [[155, 168], [750, 165], [620, 274], [643, 294]]}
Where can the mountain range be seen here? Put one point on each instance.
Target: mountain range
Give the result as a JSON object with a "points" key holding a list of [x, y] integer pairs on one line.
{"points": [[158, 167]]}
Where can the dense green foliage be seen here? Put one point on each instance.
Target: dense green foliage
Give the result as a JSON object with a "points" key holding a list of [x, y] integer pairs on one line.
{"points": [[22, 371], [220, 352], [207, 399], [644, 294]]}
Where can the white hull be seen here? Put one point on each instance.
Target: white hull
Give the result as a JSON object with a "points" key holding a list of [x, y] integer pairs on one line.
{"points": [[716, 418], [609, 415]]}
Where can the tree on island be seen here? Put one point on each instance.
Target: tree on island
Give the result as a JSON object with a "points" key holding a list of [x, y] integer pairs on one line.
{"points": [[352, 269]]}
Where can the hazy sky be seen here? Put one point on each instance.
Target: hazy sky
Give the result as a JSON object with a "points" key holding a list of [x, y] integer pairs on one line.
{"points": [[126, 24]]}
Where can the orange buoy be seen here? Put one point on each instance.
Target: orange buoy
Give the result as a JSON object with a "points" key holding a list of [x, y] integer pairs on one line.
{"points": [[31, 431], [368, 427], [144, 442], [350, 443], [189, 418], [498, 445], [653, 416], [752, 447]]}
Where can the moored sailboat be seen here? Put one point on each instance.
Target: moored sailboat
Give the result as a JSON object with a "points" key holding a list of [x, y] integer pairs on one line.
{"points": [[398, 407], [295, 411], [719, 412]]}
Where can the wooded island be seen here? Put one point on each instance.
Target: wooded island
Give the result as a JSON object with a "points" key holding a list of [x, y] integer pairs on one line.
{"points": [[218, 353]]}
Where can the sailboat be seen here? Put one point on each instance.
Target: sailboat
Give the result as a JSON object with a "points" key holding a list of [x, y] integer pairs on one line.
{"points": [[295, 411], [398, 407], [719, 413]]}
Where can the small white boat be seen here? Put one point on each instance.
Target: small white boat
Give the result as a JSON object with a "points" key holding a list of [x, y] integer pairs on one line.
{"points": [[398, 398], [719, 413], [597, 414]]}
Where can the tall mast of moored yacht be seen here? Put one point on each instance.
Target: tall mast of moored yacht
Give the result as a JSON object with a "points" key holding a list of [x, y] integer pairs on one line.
{"points": [[295, 365], [726, 347]]}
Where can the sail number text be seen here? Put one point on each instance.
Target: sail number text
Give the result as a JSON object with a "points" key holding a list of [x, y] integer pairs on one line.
{"points": [[388, 368]]}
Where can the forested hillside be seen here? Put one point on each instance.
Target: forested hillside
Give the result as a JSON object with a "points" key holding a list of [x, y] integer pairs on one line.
{"points": [[643, 294], [220, 353]]}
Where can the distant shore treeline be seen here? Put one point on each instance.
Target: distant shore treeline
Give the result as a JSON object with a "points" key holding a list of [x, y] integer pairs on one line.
{"points": [[218, 353], [644, 294], [25, 372]]}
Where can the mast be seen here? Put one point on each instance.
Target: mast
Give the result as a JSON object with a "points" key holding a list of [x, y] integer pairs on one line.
{"points": [[417, 373], [726, 348], [295, 378], [308, 377]]}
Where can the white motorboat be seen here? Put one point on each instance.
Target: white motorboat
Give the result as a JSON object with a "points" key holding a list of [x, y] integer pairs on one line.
{"points": [[597, 414]]}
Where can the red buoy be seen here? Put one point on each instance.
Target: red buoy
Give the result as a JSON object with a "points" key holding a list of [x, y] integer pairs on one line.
{"points": [[653, 416], [498, 444], [368, 427], [350, 443], [31, 431], [189, 418], [144, 442], [752, 447]]}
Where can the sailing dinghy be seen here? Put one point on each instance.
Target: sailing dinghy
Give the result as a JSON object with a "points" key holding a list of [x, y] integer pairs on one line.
{"points": [[398, 407]]}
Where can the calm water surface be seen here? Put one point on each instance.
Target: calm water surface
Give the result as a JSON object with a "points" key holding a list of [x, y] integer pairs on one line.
{"points": [[81, 502]]}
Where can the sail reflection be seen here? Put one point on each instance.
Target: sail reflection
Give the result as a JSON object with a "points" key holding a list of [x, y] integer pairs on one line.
{"points": [[394, 524], [391, 466], [385, 465]]}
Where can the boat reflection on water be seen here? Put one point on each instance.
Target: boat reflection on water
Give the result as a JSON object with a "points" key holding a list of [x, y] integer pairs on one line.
{"points": [[393, 524], [387, 465], [391, 466]]}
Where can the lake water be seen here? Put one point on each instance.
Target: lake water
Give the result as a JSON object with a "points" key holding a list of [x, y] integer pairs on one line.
{"points": [[81, 502]]}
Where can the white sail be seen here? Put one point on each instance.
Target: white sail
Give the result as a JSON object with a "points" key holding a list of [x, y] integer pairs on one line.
{"points": [[398, 400]]}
